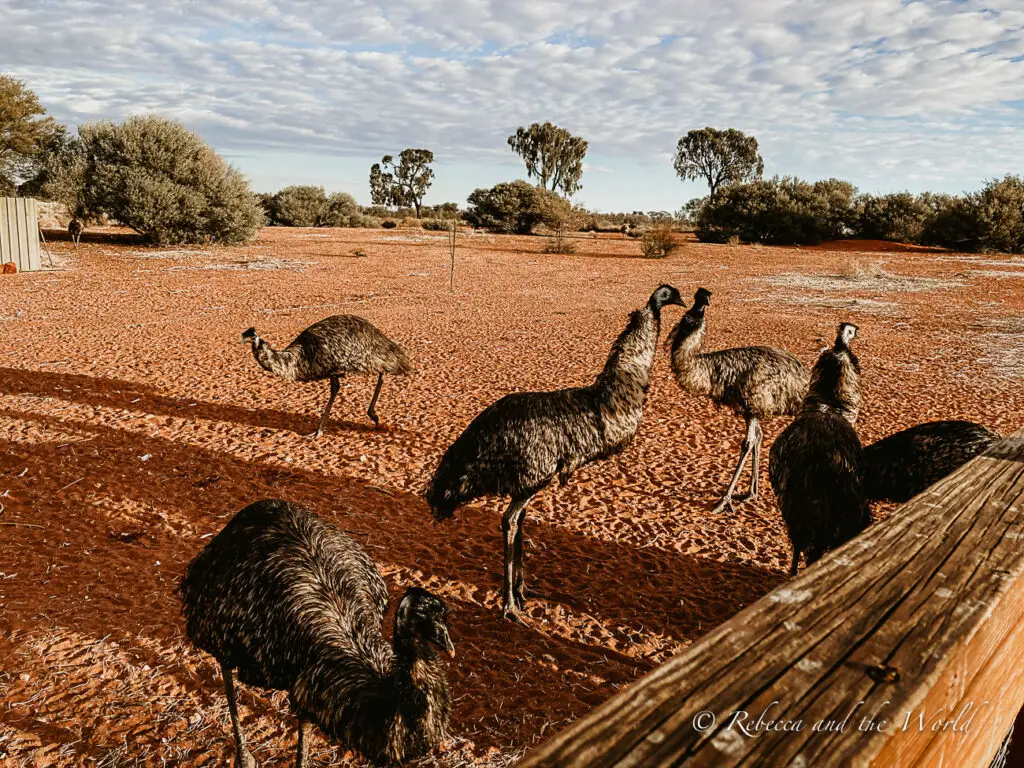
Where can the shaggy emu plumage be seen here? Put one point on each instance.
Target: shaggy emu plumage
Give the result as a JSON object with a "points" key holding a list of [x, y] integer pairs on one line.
{"points": [[902, 465], [292, 603], [816, 465], [328, 350], [756, 382], [519, 444], [75, 228]]}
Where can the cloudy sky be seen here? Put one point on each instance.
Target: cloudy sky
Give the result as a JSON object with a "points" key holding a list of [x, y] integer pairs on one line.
{"points": [[927, 94]]}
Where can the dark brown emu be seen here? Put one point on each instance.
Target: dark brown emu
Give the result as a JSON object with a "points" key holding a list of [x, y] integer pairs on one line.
{"points": [[292, 603], [328, 350], [75, 228], [758, 383], [519, 444], [816, 465], [902, 465]]}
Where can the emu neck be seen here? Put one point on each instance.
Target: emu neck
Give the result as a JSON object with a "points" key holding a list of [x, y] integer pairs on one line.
{"points": [[691, 369], [284, 363], [627, 372], [835, 386]]}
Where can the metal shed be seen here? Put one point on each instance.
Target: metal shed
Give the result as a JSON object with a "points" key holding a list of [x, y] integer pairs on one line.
{"points": [[19, 233]]}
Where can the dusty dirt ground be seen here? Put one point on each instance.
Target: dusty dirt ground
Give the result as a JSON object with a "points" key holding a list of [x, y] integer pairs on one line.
{"points": [[133, 424]]}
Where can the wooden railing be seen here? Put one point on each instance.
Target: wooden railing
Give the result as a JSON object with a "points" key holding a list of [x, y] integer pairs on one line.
{"points": [[905, 647]]}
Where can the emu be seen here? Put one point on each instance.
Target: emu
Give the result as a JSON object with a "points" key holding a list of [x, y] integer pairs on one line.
{"points": [[328, 350], [520, 443], [292, 603], [758, 383], [75, 228], [902, 465], [816, 465]]}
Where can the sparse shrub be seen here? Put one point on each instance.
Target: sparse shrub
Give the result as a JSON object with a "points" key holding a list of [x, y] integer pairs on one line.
{"points": [[515, 207], [559, 243], [163, 181], [437, 225], [389, 224], [658, 242], [411, 222], [900, 216], [856, 269]]}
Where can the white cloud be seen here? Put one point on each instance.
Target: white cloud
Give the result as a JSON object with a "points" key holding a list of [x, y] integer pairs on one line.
{"points": [[872, 89]]}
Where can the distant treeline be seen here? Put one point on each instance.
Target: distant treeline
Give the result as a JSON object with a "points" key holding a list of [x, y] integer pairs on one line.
{"points": [[788, 211]]}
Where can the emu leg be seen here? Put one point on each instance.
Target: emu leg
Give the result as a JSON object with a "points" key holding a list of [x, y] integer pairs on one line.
{"points": [[796, 562], [243, 759], [519, 587], [303, 750], [755, 473], [371, 411], [510, 523], [335, 386], [745, 451]]}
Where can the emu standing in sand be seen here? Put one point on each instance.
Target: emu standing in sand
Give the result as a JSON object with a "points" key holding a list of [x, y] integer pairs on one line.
{"points": [[328, 350], [816, 465], [519, 444], [756, 382], [294, 604], [75, 228], [902, 465]]}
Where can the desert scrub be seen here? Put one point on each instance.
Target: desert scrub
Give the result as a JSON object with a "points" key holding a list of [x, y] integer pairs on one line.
{"points": [[657, 242]]}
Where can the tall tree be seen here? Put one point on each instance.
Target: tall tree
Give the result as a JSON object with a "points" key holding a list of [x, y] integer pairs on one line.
{"points": [[718, 157], [25, 133], [402, 183], [552, 155]]}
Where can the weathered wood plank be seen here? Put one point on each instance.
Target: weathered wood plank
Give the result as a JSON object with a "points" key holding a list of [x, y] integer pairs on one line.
{"points": [[933, 597]]}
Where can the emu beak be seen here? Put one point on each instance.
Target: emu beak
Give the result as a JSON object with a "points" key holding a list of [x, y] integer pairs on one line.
{"points": [[444, 641]]}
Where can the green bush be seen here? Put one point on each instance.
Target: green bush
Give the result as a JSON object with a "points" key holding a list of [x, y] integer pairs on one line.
{"points": [[999, 212], [899, 216], [363, 221], [163, 181], [437, 225], [777, 211], [516, 207], [341, 209], [952, 222], [389, 223], [299, 206]]}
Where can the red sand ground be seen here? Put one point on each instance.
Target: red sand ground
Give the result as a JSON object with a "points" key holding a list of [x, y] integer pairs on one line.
{"points": [[133, 424]]}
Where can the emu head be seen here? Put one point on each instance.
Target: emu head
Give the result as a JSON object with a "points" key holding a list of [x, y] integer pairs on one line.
{"points": [[701, 299], [847, 333], [663, 295], [421, 622], [249, 337]]}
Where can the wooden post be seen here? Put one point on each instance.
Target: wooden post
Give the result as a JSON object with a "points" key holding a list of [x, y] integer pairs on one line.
{"points": [[903, 647]]}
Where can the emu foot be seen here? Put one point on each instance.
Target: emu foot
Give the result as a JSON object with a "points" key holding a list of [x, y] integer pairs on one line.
{"points": [[749, 496], [512, 613], [314, 435], [720, 507], [374, 418], [522, 593]]}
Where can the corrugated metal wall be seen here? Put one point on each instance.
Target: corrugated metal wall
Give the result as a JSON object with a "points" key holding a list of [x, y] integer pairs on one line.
{"points": [[19, 232]]}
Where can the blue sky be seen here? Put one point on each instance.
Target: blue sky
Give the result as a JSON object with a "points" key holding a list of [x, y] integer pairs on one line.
{"points": [[890, 95]]}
